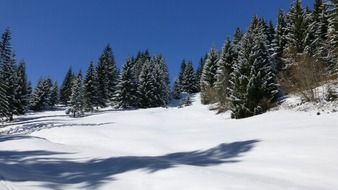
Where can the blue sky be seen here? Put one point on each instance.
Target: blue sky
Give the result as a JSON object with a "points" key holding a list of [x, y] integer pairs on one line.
{"points": [[51, 35]]}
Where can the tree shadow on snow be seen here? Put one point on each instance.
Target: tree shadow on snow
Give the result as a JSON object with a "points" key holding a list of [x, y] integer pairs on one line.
{"points": [[54, 172]]}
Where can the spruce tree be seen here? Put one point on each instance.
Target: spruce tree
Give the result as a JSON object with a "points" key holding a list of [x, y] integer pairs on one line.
{"points": [[54, 95], [66, 87], [3, 101], [110, 73], [252, 84], [40, 99], [199, 70], [280, 42], [76, 108], [224, 69], [208, 79], [8, 72], [21, 90], [296, 31], [90, 87], [126, 89], [189, 82]]}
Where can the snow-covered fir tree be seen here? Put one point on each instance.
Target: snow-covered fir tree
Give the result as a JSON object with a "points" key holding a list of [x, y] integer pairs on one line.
{"points": [[253, 84], [280, 41], [21, 90], [153, 88], [90, 89], [40, 99], [208, 79], [163, 77], [224, 69], [66, 87], [296, 31], [126, 89], [8, 72], [54, 95], [3, 102], [199, 70], [107, 76], [77, 106], [189, 83]]}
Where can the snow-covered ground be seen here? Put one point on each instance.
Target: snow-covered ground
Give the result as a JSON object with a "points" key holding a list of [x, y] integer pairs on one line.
{"points": [[190, 148]]}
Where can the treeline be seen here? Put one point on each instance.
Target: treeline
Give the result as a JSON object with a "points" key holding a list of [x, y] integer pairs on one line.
{"points": [[257, 66], [247, 76], [142, 83]]}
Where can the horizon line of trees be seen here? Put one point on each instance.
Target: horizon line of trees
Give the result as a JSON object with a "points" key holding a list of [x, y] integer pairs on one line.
{"points": [[260, 65], [248, 75]]}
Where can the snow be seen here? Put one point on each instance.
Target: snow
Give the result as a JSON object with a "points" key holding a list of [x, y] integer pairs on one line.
{"points": [[170, 148]]}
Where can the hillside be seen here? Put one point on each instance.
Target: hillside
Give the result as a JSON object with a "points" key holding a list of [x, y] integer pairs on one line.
{"points": [[170, 148]]}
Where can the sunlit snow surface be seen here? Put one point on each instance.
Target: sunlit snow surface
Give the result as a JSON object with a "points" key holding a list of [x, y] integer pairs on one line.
{"points": [[190, 148]]}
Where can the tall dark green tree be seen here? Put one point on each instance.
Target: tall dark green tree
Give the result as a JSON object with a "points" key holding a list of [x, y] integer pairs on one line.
{"points": [[77, 106], [296, 30], [126, 90], [21, 90], [66, 87], [252, 84], [8, 72], [208, 79], [224, 70], [90, 89]]}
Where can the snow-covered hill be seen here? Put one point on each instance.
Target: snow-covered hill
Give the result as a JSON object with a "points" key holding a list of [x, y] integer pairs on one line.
{"points": [[190, 148]]}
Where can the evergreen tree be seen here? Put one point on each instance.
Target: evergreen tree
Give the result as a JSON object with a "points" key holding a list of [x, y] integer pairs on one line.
{"points": [[252, 84], [199, 71], [21, 91], [126, 90], [110, 73], [296, 31], [76, 108], [150, 87], [90, 86], [41, 96], [208, 79], [189, 83], [3, 101], [8, 72], [54, 95], [224, 69], [163, 78], [66, 87], [280, 41]]}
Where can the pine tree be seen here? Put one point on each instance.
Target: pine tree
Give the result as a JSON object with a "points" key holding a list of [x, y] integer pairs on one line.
{"points": [[296, 31], [150, 87], [21, 90], [252, 84], [3, 102], [126, 89], [163, 78], [76, 108], [280, 42], [208, 79], [199, 70], [40, 99], [8, 72], [66, 87], [90, 86], [54, 95], [330, 47], [189, 83], [111, 73], [224, 69]]}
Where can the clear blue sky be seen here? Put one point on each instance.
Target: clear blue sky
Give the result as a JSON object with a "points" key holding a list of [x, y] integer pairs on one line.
{"points": [[52, 35]]}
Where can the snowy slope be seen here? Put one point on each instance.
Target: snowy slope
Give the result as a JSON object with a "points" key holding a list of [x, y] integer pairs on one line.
{"points": [[189, 148]]}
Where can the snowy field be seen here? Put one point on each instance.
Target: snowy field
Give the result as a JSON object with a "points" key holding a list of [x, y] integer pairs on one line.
{"points": [[190, 148]]}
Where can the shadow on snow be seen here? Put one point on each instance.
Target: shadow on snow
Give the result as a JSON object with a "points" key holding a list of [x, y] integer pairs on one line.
{"points": [[54, 172]]}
